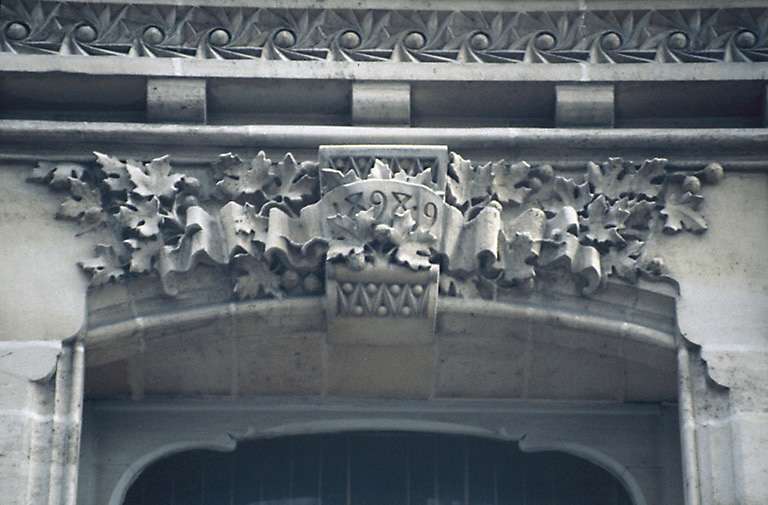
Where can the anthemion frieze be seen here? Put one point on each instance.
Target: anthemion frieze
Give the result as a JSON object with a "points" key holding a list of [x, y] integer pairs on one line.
{"points": [[544, 36], [382, 230]]}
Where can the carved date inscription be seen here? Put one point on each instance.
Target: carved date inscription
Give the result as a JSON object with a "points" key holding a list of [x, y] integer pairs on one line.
{"points": [[385, 199]]}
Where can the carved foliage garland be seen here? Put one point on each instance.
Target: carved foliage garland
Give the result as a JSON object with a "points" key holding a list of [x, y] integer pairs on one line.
{"points": [[491, 226], [613, 36]]}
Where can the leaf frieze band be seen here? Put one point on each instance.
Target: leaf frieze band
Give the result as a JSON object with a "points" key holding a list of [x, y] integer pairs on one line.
{"points": [[615, 36], [277, 225]]}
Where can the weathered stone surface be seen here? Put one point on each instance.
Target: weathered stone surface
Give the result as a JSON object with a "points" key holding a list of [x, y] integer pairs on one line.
{"points": [[572, 374], [482, 367], [644, 382], [379, 103], [722, 308], [385, 372], [634, 371], [544, 272], [269, 345], [158, 370], [721, 282], [176, 100], [288, 365], [109, 380], [40, 410], [36, 255], [584, 105]]}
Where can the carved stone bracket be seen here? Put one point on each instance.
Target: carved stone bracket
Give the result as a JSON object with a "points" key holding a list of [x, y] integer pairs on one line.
{"points": [[380, 229], [391, 305], [385, 208], [429, 36]]}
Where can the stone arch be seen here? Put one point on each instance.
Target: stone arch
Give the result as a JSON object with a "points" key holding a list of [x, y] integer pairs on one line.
{"points": [[138, 466], [614, 467], [393, 425], [632, 350]]}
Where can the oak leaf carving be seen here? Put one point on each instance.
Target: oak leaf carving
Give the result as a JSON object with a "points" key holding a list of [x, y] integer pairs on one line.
{"points": [[423, 178], [255, 279], [606, 179], [332, 178], [286, 182], [116, 175], [603, 221], [351, 236], [681, 211], [295, 183], [623, 261], [567, 193], [144, 253], [509, 181], [105, 267], [83, 205], [467, 184], [154, 179], [141, 215], [380, 170], [647, 179], [242, 179], [516, 257], [640, 219], [618, 178], [56, 175], [412, 243]]}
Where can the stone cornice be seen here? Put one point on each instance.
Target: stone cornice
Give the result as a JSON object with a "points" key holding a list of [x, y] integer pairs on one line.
{"points": [[743, 149], [435, 35], [370, 71]]}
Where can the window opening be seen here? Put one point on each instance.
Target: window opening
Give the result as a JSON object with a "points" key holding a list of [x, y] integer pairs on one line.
{"points": [[376, 468]]}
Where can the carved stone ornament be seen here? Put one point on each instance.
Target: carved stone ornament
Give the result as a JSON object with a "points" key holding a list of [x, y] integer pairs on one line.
{"points": [[366, 35], [380, 229]]}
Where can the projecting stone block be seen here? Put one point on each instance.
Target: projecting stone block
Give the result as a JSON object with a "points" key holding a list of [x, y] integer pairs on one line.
{"points": [[176, 100], [765, 106], [381, 103], [386, 306], [584, 105]]}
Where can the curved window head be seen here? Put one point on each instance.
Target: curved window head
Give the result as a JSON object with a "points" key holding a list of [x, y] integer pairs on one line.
{"points": [[376, 468]]}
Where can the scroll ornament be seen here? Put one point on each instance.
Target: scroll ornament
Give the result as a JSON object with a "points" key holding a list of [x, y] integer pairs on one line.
{"points": [[277, 225]]}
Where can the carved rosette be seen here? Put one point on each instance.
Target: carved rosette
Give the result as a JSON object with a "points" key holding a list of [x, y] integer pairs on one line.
{"points": [[380, 229]]}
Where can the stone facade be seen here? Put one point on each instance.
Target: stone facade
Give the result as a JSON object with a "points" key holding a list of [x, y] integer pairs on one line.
{"points": [[541, 222]]}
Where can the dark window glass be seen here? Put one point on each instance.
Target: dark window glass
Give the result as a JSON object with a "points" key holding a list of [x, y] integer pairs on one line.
{"points": [[375, 468]]}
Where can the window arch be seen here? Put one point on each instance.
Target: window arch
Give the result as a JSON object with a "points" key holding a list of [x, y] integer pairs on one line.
{"points": [[376, 468]]}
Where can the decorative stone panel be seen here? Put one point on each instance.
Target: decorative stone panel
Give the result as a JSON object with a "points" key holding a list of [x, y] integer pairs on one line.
{"points": [[392, 305], [380, 229], [400, 190]]}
